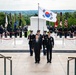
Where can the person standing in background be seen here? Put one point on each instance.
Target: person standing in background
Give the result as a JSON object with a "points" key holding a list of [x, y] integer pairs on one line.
{"points": [[44, 38], [20, 31], [31, 38], [1, 31]]}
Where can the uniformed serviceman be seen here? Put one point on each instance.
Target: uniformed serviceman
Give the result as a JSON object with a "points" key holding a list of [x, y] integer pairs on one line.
{"points": [[60, 31], [10, 31], [1, 31], [51, 28], [74, 30], [71, 31], [20, 32], [25, 29], [49, 46], [5, 31], [31, 38], [44, 38], [65, 32], [15, 30]]}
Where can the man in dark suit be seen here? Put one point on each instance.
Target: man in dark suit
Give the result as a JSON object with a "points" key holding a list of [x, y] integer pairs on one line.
{"points": [[37, 48], [31, 38], [49, 46], [40, 36], [44, 38]]}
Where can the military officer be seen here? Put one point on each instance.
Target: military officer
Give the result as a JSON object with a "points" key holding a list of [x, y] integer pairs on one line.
{"points": [[20, 32], [49, 46], [65, 32], [60, 31], [44, 38], [31, 38], [1, 31]]}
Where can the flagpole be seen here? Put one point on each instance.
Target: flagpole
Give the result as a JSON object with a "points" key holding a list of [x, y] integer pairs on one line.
{"points": [[38, 16]]}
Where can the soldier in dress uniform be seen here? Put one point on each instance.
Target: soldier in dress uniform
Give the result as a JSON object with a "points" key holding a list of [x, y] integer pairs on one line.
{"points": [[15, 30], [75, 30], [44, 38], [31, 38], [65, 32], [49, 46], [5, 32], [51, 29], [9, 29], [25, 32], [20, 31], [1, 31], [71, 31], [60, 32], [11, 32], [25, 29]]}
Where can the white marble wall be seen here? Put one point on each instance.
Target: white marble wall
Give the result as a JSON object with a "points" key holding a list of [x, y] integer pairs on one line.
{"points": [[34, 24]]}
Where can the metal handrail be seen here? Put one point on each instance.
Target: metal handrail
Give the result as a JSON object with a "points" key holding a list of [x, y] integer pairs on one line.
{"points": [[69, 59], [9, 58]]}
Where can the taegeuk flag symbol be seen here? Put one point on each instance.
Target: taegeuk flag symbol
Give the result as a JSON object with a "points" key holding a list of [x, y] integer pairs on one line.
{"points": [[47, 15]]}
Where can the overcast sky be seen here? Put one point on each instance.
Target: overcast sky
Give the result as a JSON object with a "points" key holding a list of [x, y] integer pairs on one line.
{"points": [[33, 4]]}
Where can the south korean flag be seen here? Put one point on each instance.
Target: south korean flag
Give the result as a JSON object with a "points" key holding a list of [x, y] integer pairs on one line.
{"points": [[47, 15]]}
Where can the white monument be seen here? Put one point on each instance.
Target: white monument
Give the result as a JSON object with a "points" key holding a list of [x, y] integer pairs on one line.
{"points": [[34, 25]]}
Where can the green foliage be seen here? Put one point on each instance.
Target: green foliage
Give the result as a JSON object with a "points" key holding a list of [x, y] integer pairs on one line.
{"points": [[67, 15], [74, 14], [71, 21], [2, 18], [25, 19], [71, 18]]}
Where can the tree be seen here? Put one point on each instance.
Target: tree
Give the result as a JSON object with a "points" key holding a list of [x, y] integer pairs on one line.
{"points": [[2, 19], [67, 15], [23, 21], [74, 14]]}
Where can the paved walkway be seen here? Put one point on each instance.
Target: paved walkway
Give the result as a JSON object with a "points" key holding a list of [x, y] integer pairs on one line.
{"points": [[23, 64]]}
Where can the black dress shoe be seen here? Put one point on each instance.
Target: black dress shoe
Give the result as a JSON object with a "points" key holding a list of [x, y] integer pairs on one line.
{"points": [[49, 61], [44, 54], [31, 55], [36, 62]]}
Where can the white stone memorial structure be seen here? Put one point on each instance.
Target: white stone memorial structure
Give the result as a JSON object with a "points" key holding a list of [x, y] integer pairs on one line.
{"points": [[34, 25]]}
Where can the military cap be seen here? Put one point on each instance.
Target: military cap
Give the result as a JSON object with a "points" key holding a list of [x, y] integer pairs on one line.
{"points": [[45, 31], [31, 30]]}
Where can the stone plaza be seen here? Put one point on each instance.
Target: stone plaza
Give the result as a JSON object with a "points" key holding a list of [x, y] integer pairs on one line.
{"points": [[23, 63]]}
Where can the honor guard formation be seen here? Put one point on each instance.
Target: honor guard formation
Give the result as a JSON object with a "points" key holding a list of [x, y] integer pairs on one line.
{"points": [[36, 42]]}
